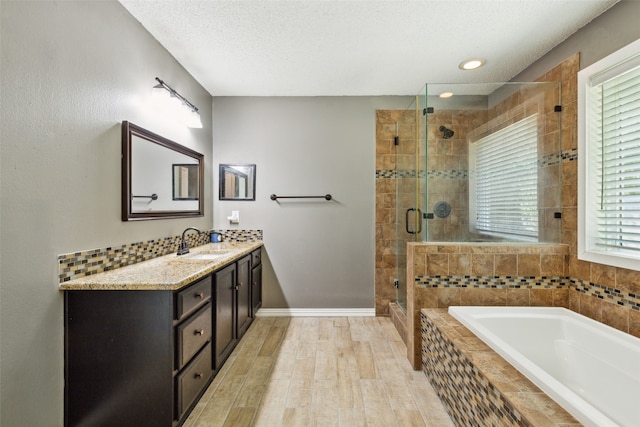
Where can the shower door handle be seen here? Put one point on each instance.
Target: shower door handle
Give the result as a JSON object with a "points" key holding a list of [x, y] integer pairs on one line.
{"points": [[406, 223]]}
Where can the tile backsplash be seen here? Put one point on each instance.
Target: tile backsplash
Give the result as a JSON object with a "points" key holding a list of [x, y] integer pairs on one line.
{"points": [[85, 263]]}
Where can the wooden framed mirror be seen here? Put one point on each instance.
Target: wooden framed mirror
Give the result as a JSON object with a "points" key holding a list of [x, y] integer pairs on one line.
{"points": [[237, 182], [161, 179]]}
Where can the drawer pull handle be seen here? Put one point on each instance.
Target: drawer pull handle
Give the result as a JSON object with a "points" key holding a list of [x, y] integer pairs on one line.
{"points": [[199, 332], [200, 295], [198, 375], [239, 286]]}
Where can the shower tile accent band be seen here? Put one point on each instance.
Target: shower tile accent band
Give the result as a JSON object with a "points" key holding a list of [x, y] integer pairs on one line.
{"points": [[548, 160], [616, 296], [85, 263]]}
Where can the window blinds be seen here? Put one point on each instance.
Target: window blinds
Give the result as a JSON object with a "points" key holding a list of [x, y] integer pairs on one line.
{"points": [[618, 161], [506, 181]]}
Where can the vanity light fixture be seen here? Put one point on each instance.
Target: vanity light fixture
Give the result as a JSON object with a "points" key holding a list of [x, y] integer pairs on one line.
{"points": [[471, 64], [446, 95], [177, 105]]}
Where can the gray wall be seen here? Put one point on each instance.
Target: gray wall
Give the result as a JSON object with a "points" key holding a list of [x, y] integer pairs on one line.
{"points": [[321, 254], [70, 73], [607, 33]]}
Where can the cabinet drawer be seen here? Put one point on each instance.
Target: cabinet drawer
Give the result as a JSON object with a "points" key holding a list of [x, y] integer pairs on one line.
{"points": [[256, 257], [193, 334], [194, 296], [192, 380]]}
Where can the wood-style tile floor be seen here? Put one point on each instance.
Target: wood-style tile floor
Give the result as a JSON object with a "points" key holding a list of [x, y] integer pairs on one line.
{"points": [[337, 371]]}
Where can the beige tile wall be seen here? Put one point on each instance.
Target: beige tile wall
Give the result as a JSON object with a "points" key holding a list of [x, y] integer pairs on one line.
{"points": [[448, 274], [389, 173], [607, 294]]}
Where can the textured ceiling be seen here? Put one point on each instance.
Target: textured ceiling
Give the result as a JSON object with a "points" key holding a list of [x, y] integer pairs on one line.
{"points": [[348, 47]]}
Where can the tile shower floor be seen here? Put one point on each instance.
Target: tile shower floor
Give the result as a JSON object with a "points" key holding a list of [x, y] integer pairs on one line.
{"points": [[339, 371]]}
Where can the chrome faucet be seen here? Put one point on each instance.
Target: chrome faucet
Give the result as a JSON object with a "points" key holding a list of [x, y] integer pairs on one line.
{"points": [[183, 248]]}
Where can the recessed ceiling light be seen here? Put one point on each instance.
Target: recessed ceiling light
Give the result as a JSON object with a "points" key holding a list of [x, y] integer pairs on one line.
{"points": [[471, 64], [446, 95]]}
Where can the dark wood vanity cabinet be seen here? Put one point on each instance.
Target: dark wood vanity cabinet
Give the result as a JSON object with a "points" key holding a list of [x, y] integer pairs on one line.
{"points": [[144, 357], [119, 358], [256, 281], [244, 314], [193, 336], [224, 282], [136, 358], [234, 306]]}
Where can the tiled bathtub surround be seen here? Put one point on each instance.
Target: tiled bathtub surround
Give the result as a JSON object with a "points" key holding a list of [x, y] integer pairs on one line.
{"points": [[447, 274], [79, 264], [477, 386]]}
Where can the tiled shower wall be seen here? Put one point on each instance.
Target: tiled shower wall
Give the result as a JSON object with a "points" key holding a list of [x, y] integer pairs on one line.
{"points": [[449, 170], [391, 171], [448, 173], [604, 293]]}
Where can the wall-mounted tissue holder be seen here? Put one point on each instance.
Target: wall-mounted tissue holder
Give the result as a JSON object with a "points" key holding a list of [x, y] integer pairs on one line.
{"points": [[234, 218]]}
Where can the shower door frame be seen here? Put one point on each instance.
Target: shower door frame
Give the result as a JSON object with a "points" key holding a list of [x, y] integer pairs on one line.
{"points": [[410, 220]]}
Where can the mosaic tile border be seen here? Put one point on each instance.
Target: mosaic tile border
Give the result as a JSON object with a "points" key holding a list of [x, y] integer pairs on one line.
{"points": [[449, 174], [492, 282], [467, 395], [394, 173], [570, 155], [616, 296], [85, 263], [240, 235], [548, 160]]}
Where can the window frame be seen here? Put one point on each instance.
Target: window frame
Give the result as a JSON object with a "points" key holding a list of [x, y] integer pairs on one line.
{"points": [[611, 66]]}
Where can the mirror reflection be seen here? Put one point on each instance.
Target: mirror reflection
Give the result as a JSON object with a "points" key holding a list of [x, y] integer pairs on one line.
{"points": [[160, 178], [237, 182], [185, 182]]}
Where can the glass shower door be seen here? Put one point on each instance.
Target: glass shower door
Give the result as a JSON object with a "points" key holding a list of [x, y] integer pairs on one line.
{"points": [[409, 174]]}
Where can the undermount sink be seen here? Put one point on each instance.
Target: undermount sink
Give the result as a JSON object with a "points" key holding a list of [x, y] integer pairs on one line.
{"points": [[207, 255]]}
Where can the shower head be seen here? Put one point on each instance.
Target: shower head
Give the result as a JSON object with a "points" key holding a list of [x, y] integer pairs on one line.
{"points": [[446, 133]]}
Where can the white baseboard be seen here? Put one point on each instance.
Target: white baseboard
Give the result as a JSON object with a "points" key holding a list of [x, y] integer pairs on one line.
{"points": [[316, 312]]}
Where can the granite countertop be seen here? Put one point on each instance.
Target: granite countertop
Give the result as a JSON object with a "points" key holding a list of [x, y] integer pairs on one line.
{"points": [[166, 273]]}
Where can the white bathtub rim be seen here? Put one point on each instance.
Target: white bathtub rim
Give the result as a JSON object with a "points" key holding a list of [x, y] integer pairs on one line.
{"points": [[565, 397]]}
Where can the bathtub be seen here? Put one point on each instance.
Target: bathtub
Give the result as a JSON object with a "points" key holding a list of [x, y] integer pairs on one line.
{"points": [[590, 369]]}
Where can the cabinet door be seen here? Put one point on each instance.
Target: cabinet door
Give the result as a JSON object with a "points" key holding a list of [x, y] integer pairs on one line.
{"points": [[256, 289], [118, 358], [243, 288], [225, 283]]}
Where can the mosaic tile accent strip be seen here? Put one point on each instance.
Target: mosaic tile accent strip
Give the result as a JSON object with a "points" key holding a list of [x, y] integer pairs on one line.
{"points": [[240, 235], [387, 173], [616, 296], [467, 395], [549, 160], [570, 155], [394, 174], [512, 282], [85, 263], [449, 174], [554, 159]]}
